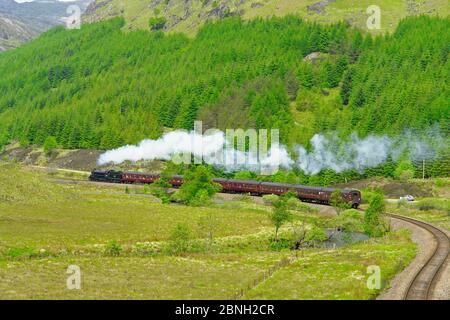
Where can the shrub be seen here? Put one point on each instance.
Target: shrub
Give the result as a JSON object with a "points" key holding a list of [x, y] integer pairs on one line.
{"points": [[146, 248], [441, 183], [157, 23], [374, 225], [289, 195], [315, 235], [280, 215], [433, 204], [245, 197], [368, 193], [50, 144], [404, 170], [270, 199], [159, 192], [208, 225], [402, 203], [350, 221], [180, 239], [280, 244], [198, 187], [297, 205], [25, 252], [113, 249], [338, 202]]}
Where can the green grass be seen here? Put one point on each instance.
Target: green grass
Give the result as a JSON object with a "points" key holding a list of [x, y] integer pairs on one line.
{"points": [[42, 214], [433, 210], [317, 274], [45, 227], [338, 274], [218, 277]]}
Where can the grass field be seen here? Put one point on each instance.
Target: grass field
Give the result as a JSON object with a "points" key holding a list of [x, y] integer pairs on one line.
{"points": [[46, 227], [433, 210]]}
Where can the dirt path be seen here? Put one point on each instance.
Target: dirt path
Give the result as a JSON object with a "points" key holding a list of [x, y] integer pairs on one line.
{"points": [[61, 170]]}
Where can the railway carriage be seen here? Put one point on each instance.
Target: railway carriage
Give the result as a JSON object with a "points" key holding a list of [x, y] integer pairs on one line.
{"points": [[304, 193]]}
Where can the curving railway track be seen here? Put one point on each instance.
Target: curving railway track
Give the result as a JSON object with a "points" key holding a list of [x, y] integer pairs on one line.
{"points": [[423, 284]]}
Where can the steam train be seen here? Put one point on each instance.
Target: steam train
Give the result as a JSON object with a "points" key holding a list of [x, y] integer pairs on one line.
{"points": [[304, 193]]}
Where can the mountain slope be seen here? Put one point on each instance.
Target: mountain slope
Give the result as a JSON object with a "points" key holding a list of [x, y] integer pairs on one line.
{"points": [[21, 22], [188, 15], [13, 32], [99, 87]]}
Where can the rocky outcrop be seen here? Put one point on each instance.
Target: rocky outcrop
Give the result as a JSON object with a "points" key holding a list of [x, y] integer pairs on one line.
{"points": [[21, 22], [13, 32]]}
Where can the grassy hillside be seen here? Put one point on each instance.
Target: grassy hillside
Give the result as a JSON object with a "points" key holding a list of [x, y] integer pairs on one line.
{"points": [[111, 234], [188, 16]]}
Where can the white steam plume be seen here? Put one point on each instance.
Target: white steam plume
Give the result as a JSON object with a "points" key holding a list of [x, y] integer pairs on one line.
{"points": [[165, 148], [325, 152]]}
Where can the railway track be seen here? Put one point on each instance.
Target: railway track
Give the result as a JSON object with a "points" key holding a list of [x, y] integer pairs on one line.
{"points": [[423, 284]]}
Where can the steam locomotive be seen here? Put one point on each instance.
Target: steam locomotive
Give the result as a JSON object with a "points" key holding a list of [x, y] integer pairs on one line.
{"points": [[304, 193]]}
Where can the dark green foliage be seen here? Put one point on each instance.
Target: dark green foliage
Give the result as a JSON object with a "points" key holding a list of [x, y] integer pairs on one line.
{"points": [[374, 225], [404, 170], [157, 23], [350, 221], [100, 87], [180, 240], [50, 144], [113, 249], [198, 188], [280, 214], [338, 202]]}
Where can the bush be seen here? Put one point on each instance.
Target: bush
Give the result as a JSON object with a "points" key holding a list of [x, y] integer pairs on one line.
{"points": [[198, 187], [157, 23], [200, 199], [315, 235], [442, 183], [50, 144], [270, 199], [280, 244], [404, 170], [374, 225], [25, 252], [180, 240], [368, 194], [338, 202], [350, 221], [113, 249], [432, 204], [159, 192], [146, 248], [402, 203]]}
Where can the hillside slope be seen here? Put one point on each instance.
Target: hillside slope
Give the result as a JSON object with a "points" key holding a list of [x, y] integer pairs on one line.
{"points": [[99, 87], [13, 32], [21, 22], [188, 15]]}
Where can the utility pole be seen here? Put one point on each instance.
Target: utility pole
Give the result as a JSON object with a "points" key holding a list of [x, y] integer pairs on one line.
{"points": [[423, 169]]}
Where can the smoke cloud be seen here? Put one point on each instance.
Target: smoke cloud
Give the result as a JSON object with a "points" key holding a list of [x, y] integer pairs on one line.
{"points": [[326, 151]]}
